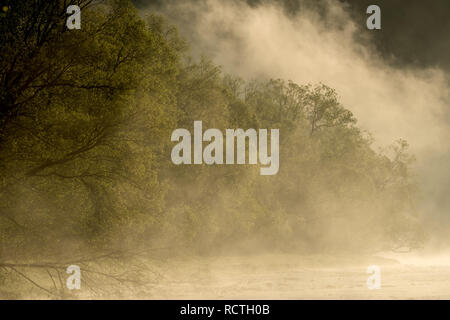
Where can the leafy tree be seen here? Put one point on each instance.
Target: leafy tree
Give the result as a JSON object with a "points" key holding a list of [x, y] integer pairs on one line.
{"points": [[85, 123]]}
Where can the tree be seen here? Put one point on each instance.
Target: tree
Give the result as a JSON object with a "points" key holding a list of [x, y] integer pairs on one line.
{"points": [[85, 173], [83, 122]]}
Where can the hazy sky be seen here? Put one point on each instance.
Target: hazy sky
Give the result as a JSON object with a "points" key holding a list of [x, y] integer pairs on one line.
{"points": [[414, 31], [395, 80]]}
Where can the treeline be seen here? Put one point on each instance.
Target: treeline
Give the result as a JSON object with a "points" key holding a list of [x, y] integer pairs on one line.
{"points": [[85, 123]]}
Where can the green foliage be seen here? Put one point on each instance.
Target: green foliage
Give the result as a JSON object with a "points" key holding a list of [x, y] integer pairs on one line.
{"points": [[86, 118], [79, 152]]}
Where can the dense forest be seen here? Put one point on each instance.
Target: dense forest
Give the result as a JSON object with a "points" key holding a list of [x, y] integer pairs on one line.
{"points": [[85, 124]]}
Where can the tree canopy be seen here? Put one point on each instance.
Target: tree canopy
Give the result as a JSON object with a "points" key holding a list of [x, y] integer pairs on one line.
{"points": [[85, 123]]}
